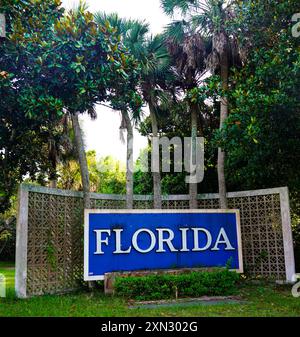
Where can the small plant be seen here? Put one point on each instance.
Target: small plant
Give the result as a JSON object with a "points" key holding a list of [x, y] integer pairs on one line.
{"points": [[51, 257]]}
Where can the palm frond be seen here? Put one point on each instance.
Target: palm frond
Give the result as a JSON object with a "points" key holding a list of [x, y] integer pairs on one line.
{"points": [[170, 6], [175, 31], [202, 23], [101, 18]]}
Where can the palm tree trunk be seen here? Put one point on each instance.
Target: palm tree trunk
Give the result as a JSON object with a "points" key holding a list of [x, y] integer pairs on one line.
{"points": [[82, 161], [193, 187], [129, 161], [223, 117], [156, 175]]}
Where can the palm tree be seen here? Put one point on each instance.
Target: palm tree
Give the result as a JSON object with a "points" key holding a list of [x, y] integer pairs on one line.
{"points": [[153, 59], [209, 17], [126, 124], [212, 21], [155, 74], [132, 33], [187, 49]]}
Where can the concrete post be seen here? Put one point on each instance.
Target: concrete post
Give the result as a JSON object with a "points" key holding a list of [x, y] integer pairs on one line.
{"points": [[21, 244], [287, 235]]}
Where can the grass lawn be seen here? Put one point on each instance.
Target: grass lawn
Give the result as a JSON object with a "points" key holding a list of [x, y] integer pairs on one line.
{"points": [[260, 300]]}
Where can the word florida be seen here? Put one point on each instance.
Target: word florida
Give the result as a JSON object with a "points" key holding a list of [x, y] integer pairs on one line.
{"points": [[163, 238]]}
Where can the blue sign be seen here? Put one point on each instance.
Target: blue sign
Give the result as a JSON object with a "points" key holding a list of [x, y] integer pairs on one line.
{"points": [[122, 240]]}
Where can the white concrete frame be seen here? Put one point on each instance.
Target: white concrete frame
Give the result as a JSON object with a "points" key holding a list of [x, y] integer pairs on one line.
{"points": [[21, 244], [22, 223], [287, 235]]}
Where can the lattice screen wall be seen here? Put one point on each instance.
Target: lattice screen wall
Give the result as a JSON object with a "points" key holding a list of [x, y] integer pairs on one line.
{"points": [[50, 234]]}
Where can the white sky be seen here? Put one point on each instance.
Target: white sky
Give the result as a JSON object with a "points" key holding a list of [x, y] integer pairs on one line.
{"points": [[102, 135]]}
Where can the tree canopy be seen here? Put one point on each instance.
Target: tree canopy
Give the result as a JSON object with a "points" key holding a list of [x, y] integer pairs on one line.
{"points": [[54, 63]]}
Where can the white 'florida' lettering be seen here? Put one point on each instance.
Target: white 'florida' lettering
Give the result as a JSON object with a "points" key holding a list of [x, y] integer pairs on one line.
{"points": [[99, 240], [196, 239], [164, 239], [222, 234]]}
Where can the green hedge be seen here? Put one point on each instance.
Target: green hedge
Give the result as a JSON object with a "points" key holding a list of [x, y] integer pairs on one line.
{"points": [[221, 282]]}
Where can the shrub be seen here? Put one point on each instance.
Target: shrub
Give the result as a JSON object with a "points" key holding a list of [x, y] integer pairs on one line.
{"points": [[219, 282]]}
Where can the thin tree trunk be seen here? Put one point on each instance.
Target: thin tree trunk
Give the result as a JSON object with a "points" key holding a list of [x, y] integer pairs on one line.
{"points": [[53, 173], [52, 157], [129, 161], [82, 161], [193, 187], [155, 175], [83, 169], [223, 117], [53, 183]]}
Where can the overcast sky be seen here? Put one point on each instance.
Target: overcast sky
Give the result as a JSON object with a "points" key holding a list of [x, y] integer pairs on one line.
{"points": [[102, 135]]}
